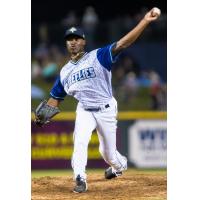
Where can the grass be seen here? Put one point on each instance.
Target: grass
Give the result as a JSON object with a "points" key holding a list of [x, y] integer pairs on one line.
{"points": [[141, 101], [69, 172]]}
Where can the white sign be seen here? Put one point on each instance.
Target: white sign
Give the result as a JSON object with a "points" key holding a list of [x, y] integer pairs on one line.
{"points": [[148, 143]]}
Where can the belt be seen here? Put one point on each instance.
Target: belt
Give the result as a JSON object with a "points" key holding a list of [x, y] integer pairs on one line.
{"points": [[97, 109]]}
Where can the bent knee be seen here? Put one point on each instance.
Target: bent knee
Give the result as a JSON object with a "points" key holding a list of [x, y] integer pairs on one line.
{"points": [[108, 156]]}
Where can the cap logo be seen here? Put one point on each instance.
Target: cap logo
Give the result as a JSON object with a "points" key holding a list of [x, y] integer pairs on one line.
{"points": [[72, 29]]}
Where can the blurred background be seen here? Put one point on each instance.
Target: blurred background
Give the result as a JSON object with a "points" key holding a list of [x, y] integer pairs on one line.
{"points": [[139, 78]]}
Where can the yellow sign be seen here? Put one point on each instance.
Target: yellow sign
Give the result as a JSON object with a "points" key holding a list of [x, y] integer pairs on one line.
{"points": [[53, 146], [121, 115]]}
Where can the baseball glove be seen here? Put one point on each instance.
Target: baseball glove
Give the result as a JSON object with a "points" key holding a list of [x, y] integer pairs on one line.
{"points": [[44, 113]]}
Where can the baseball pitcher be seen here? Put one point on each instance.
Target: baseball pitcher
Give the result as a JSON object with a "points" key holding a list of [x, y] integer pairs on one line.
{"points": [[87, 77]]}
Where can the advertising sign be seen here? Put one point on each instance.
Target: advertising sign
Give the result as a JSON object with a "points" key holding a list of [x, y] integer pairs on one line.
{"points": [[148, 143], [52, 146]]}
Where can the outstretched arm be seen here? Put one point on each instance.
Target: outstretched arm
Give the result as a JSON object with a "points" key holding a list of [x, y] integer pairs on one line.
{"points": [[130, 38]]}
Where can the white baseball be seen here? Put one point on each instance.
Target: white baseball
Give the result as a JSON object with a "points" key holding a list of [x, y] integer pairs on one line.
{"points": [[156, 11]]}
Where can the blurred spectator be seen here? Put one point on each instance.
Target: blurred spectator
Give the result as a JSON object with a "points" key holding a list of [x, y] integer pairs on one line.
{"points": [[155, 89], [114, 28], [49, 69], [130, 85], [89, 23], [70, 20], [46, 62], [43, 33], [36, 92], [144, 80], [129, 64], [49, 55], [119, 74], [162, 97], [90, 19], [35, 69], [57, 55], [41, 52]]}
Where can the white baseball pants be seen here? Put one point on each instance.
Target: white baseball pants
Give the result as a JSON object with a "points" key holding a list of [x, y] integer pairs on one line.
{"points": [[105, 123]]}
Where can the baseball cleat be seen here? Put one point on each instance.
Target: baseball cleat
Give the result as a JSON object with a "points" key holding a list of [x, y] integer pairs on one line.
{"points": [[81, 185], [109, 174]]}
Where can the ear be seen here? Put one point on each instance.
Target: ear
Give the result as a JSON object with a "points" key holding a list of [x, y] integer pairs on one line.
{"points": [[84, 42]]}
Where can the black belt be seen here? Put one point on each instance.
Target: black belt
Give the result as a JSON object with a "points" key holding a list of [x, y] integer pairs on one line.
{"points": [[96, 109]]}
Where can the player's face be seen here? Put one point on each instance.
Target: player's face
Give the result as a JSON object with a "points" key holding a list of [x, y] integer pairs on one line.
{"points": [[75, 44]]}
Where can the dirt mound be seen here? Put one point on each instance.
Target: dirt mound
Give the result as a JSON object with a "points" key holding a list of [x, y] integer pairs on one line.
{"points": [[135, 186]]}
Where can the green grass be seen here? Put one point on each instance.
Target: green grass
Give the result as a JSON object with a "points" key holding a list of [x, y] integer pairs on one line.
{"points": [[69, 172], [41, 173], [141, 101]]}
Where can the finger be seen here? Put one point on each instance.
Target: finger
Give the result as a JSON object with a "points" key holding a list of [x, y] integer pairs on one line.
{"points": [[155, 17], [153, 14]]}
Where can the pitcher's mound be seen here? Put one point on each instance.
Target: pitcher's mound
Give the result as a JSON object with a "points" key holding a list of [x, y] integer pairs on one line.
{"points": [[131, 185]]}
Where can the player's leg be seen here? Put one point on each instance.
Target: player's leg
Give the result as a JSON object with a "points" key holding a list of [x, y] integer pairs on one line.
{"points": [[108, 150], [106, 128], [84, 125]]}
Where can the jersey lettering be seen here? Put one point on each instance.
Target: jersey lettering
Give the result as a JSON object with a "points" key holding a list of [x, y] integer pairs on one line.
{"points": [[81, 75]]}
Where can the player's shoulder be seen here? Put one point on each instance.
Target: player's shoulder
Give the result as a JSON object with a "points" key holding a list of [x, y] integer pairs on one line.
{"points": [[93, 52], [89, 55], [66, 67]]}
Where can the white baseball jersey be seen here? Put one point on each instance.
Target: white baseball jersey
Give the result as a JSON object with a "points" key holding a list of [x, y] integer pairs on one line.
{"points": [[88, 79]]}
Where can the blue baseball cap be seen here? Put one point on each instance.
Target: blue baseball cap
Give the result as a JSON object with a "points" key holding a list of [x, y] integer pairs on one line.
{"points": [[74, 31]]}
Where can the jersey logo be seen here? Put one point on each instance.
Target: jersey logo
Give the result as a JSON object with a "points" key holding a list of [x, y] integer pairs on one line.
{"points": [[81, 75]]}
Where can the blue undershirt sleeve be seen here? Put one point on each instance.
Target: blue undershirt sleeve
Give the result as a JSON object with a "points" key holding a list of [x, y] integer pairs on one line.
{"points": [[105, 57], [57, 91]]}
